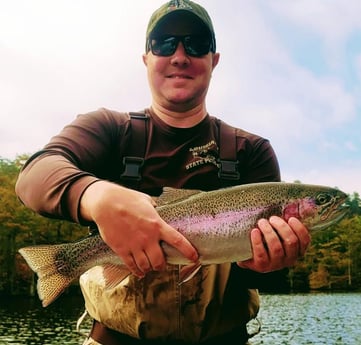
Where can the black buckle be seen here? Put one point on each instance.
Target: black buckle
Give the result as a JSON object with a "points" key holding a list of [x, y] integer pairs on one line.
{"points": [[142, 116], [132, 168], [228, 170]]}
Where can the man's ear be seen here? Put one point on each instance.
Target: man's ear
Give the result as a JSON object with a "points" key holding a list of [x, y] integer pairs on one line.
{"points": [[216, 57], [145, 59]]}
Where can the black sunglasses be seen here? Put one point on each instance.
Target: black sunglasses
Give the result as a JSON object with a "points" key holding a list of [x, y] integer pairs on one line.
{"points": [[194, 45]]}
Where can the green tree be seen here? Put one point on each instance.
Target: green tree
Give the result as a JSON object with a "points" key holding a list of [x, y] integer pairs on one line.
{"points": [[354, 203], [20, 227], [333, 260]]}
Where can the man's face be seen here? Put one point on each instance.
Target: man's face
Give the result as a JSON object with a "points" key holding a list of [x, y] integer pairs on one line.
{"points": [[179, 82]]}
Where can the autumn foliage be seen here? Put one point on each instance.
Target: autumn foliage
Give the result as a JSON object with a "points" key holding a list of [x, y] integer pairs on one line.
{"points": [[333, 261]]}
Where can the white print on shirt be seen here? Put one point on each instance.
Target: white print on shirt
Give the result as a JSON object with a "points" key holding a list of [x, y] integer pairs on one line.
{"points": [[205, 154]]}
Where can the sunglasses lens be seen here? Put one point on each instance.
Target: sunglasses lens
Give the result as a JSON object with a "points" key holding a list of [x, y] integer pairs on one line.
{"points": [[194, 45], [163, 46]]}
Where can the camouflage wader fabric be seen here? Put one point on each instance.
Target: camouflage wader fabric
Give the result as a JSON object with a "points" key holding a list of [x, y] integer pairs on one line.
{"points": [[157, 307]]}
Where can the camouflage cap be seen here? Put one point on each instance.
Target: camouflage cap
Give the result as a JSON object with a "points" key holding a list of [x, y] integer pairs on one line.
{"points": [[180, 5]]}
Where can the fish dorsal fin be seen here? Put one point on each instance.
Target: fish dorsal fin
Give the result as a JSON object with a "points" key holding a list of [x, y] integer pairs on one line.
{"points": [[171, 195]]}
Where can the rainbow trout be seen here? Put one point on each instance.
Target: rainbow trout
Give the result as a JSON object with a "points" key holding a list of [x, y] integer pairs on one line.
{"points": [[217, 223]]}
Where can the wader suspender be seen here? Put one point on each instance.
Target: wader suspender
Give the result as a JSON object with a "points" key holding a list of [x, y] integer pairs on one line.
{"points": [[228, 163], [132, 175]]}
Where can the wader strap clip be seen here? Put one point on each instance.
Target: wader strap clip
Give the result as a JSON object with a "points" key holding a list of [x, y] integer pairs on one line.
{"points": [[228, 170], [133, 163], [132, 170]]}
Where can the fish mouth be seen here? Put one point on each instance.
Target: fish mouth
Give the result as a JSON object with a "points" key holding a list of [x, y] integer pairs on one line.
{"points": [[336, 204], [342, 209], [337, 215]]}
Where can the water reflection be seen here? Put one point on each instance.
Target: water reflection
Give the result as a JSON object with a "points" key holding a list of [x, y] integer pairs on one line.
{"points": [[25, 321], [310, 319]]}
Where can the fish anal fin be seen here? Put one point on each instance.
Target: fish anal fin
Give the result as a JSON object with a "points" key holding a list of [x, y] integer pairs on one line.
{"points": [[114, 275], [188, 272]]}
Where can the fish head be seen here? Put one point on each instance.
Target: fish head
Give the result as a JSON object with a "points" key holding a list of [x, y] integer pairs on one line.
{"points": [[318, 207]]}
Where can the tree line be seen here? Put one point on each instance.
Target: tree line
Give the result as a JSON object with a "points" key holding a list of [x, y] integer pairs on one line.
{"points": [[332, 262]]}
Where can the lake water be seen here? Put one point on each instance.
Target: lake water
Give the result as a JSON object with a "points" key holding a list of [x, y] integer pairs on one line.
{"points": [[296, 319]]}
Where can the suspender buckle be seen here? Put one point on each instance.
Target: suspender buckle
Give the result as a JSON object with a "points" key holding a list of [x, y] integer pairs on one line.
{"points": [[228, 170], [132, 168]]}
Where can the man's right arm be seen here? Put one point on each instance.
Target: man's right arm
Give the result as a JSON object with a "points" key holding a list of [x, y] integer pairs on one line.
{"points": [[69, 179], [129, 223], [54, 179]]}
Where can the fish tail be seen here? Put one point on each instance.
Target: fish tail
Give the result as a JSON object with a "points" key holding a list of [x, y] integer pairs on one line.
{"points": [[52, 281]]}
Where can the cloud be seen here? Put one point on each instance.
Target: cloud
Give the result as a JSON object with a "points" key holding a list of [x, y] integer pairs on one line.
{"points": [[276, 94], [349, 145], [333, 21], [358, 66], [262, 86], [59, 59], [64, 58], [345, 177]]}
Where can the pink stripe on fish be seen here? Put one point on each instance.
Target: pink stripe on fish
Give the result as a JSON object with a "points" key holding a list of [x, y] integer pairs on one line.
{"points": [[222, 221]]}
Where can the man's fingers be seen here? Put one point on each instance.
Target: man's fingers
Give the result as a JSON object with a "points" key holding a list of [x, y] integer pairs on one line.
{"points": [[142, 262], [260, 254], [288, 238], [131, 264], [272, 240], [277, 244], [178, 241], [302, 234], [156, 258]]}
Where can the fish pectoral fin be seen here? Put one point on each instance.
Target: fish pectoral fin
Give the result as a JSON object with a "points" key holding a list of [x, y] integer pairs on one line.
{"points": [[114, 275], [188, 272]]}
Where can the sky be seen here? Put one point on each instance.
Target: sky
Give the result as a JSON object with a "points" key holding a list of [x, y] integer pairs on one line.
{"points": [[289, 71]]}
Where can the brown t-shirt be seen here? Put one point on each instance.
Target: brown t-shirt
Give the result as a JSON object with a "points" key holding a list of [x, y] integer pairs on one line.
{"points": [[92, 147]]}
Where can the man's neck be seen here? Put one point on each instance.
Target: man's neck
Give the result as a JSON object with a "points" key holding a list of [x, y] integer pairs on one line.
{"points": [[183, 119]]}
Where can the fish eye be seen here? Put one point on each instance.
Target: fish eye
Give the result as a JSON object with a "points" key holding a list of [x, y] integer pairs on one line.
{"points": [[322, 198]]}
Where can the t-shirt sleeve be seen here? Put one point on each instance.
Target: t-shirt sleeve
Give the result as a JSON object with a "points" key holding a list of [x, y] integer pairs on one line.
{"points": [[257, 159], [53, 180]]}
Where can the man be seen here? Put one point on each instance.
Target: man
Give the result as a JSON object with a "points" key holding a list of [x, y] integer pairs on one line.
{"points": [[81, 175]]}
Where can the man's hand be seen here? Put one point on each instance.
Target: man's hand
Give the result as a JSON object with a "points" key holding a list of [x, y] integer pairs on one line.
{"points": [[276, 244], [130, 225]]}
